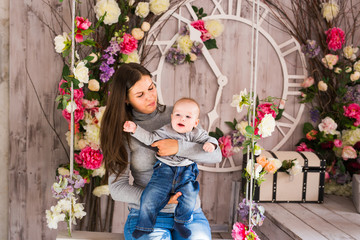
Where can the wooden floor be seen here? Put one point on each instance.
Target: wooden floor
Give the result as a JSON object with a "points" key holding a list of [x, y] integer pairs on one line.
{"points": [[335, 219]]}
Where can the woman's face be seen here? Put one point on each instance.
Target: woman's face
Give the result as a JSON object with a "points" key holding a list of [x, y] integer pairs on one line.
{"points": [[143, 96]]}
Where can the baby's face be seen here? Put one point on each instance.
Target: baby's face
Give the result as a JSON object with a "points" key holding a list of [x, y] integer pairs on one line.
{"points": [[184, 117]]}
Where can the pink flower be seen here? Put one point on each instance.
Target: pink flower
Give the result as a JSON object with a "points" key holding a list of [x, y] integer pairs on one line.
{"points": [[308, 82], [335, 38], [337, 143], [225, 146], [78, 93], [82, 23], [78, 113], [328, 126], [89, 158], [129, 44], [303, 148], [90, 104], [265, 108], [200, 25], [353, 111], [348, 152], [238, 231], [79, 37]]}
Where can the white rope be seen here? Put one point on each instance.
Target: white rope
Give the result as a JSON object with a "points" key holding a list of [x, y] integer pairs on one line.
{"points": [[72, 105], [253, 85]]}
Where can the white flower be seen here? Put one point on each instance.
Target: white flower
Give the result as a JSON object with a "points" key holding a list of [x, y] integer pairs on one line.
{"points": [[64, 204], [111, 8], [77, 138], [328, 126], [296, 169], [53, 217], [214, 27], [99, 171], [100, 114], [350, 137], [101, 190], [239, 101], [257, 169], [158, 7], [94, 85], [137, 33], [355, 76], [357, 66], [71, 106], [350, 51], [348, 69], [131, 2], [330, 10], [185, 44], [241, 126], [142, 9], [95, 57], [92, 134], [133, 57], [193, 57], [267, 125], [257, 149], [63, 171], [79, 212], [60, 42], [81, 73]]}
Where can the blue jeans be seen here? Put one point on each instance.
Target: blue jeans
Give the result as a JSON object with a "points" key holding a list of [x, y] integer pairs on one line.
{"points": [[164, 181], [163, 229]]}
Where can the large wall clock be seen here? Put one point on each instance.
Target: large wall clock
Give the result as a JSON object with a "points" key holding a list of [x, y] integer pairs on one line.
{"points": [[277, 50]]}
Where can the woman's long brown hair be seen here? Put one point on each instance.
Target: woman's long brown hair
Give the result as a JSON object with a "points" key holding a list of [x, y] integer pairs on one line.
{"points": [[113, 139]]}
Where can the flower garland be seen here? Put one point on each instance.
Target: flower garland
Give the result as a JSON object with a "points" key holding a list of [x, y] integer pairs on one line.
{"points": [[117, 36], [186, 49]]}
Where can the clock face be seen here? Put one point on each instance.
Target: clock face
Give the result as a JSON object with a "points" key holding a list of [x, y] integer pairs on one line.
{"points": [[223, 72]]}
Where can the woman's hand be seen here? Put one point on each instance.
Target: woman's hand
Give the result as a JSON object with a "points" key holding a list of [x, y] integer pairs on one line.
{"points": [[173, 198], [166, 147]]}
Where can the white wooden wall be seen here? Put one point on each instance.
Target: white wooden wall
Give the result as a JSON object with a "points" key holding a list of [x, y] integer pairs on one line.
{"points": [[35, 151]]}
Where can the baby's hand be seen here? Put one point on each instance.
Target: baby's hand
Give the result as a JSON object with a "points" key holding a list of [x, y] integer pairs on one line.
{"points": [[129, 126], [208, 147]]}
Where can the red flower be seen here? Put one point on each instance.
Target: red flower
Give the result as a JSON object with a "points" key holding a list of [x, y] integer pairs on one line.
{"points": [[89, 158], [335, 38], [78, 93], [327, 145], [129, 44], [303, 148], [357, 146], [82, 23], [225, 146], [78, 113], [265, 108], [200, 25], [353, 111]]}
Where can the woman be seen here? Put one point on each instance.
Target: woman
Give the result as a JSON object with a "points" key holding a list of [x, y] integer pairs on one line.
{"points": [[133, 97]]}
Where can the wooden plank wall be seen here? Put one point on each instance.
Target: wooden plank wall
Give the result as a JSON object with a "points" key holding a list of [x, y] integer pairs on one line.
{"points": [[36, 152]]}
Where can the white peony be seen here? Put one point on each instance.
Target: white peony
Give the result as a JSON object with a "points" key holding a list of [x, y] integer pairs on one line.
{"points": [[214, 27], [350, 137], [60, 42], [99, 171], [158, 7], [142, 9], [101, 190], [81, 73], [92, 134], [111, 8], [133, 57], [100, 114], [267, 125], [185, 44]]}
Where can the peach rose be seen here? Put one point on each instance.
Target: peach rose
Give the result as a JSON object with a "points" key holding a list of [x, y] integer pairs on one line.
{"points": [[262, 160], [308, 82]]}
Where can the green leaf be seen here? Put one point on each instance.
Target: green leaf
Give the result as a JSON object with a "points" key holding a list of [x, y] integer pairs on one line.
{"points": [[249, 130], [307, 128], [219, 132], [210, 44], [64, 85], [195, 9], [100, 20], [93, 96], [66, 70], [214, 135], [58, 98], [66, 52], [89, 58], [279, 115], [64, 103], [201, 11], [231, 125], [88, 42]]}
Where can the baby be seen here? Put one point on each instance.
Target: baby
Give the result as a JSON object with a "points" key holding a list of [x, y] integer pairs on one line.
{"points": [[172, 173]]}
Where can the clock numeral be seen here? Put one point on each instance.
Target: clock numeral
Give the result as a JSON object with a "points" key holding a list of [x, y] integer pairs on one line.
{"points": [[289, 42], [238, 7], [218, 7]]}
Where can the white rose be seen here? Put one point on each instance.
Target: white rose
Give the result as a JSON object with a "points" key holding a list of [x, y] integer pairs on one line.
{"points": [[145, 26], [71, 106], [133, 57], [101, 190], [214, 27], [158, 7], [330, 10], [111, 8], [142, 9], [81, 73], [350, 51], [60, 42], [357, 66], [322, 86], [355, 76], [99, 171], [241, 127], [267, 125]]}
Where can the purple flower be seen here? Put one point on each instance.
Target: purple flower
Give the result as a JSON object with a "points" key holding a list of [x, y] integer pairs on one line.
{"points": [[257, 212], [352, 94], [110, 60], [310, 49], [196, 48], [174, 56], [314, 115]]}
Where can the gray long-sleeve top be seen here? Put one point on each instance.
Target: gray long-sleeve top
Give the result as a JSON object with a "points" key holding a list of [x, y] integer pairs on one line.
{"points": [[142, 158], [197, 135]]}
